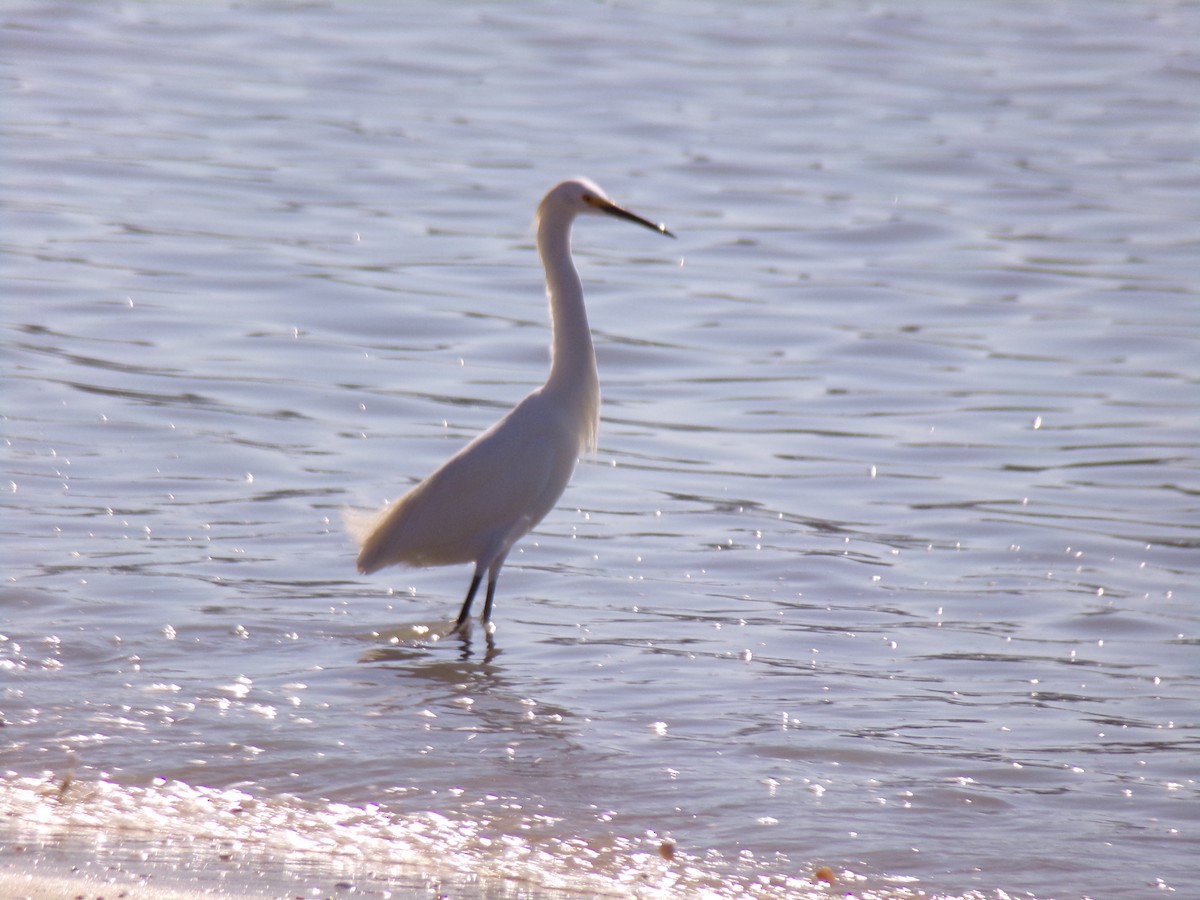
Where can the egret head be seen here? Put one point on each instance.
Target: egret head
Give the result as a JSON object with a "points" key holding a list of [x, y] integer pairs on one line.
{"points": [[581, 196]]}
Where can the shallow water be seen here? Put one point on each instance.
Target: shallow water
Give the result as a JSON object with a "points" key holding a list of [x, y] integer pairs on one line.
{"points": [[886, 561]]}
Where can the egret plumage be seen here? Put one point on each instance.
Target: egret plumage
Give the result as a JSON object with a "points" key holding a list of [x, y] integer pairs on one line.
{"points": [[491, 493]]}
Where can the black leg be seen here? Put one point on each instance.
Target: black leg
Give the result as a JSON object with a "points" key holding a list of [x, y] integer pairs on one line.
{"points": [[491, 596], [465, 612]]}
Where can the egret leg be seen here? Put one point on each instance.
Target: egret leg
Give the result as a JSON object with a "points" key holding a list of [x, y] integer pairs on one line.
{"points": [[493, 577], [487, 603], [465, 612]]}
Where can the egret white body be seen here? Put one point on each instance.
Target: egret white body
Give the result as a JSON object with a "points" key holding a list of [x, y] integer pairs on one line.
{"points": [[497, 488]]}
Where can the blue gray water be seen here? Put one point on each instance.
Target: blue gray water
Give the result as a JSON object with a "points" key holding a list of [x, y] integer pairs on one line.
{"points": [[888, 557]]}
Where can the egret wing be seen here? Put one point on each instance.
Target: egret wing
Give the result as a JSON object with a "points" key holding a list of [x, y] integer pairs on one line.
{"points": [[483, 498]]}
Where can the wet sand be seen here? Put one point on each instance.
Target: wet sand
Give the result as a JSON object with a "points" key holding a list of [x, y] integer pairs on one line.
{"points": [[138, 869]]}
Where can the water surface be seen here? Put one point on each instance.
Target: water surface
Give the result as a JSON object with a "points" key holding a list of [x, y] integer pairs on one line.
{"points": [[886, 561]]}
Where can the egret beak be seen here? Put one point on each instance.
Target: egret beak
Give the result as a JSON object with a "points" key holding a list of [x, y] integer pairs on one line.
{"points": [[607, 206]]}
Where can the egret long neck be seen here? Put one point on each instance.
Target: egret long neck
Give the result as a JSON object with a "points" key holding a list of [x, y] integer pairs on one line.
{"points": [[572, 359]]}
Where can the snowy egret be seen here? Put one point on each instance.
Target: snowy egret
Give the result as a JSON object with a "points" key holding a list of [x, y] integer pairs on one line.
{"points": [[492, 492]]}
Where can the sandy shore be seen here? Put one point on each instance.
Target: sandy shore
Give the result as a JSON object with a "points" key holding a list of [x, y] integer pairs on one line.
{"points": [[120, 869], [158, 871], [51, 887], [62, 838]]}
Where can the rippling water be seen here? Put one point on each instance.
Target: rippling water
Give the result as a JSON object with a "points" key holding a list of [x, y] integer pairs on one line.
{"points": [[887, 561]]}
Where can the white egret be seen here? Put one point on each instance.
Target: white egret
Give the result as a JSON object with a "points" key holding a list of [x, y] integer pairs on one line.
{"points": [[498, 487]]}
